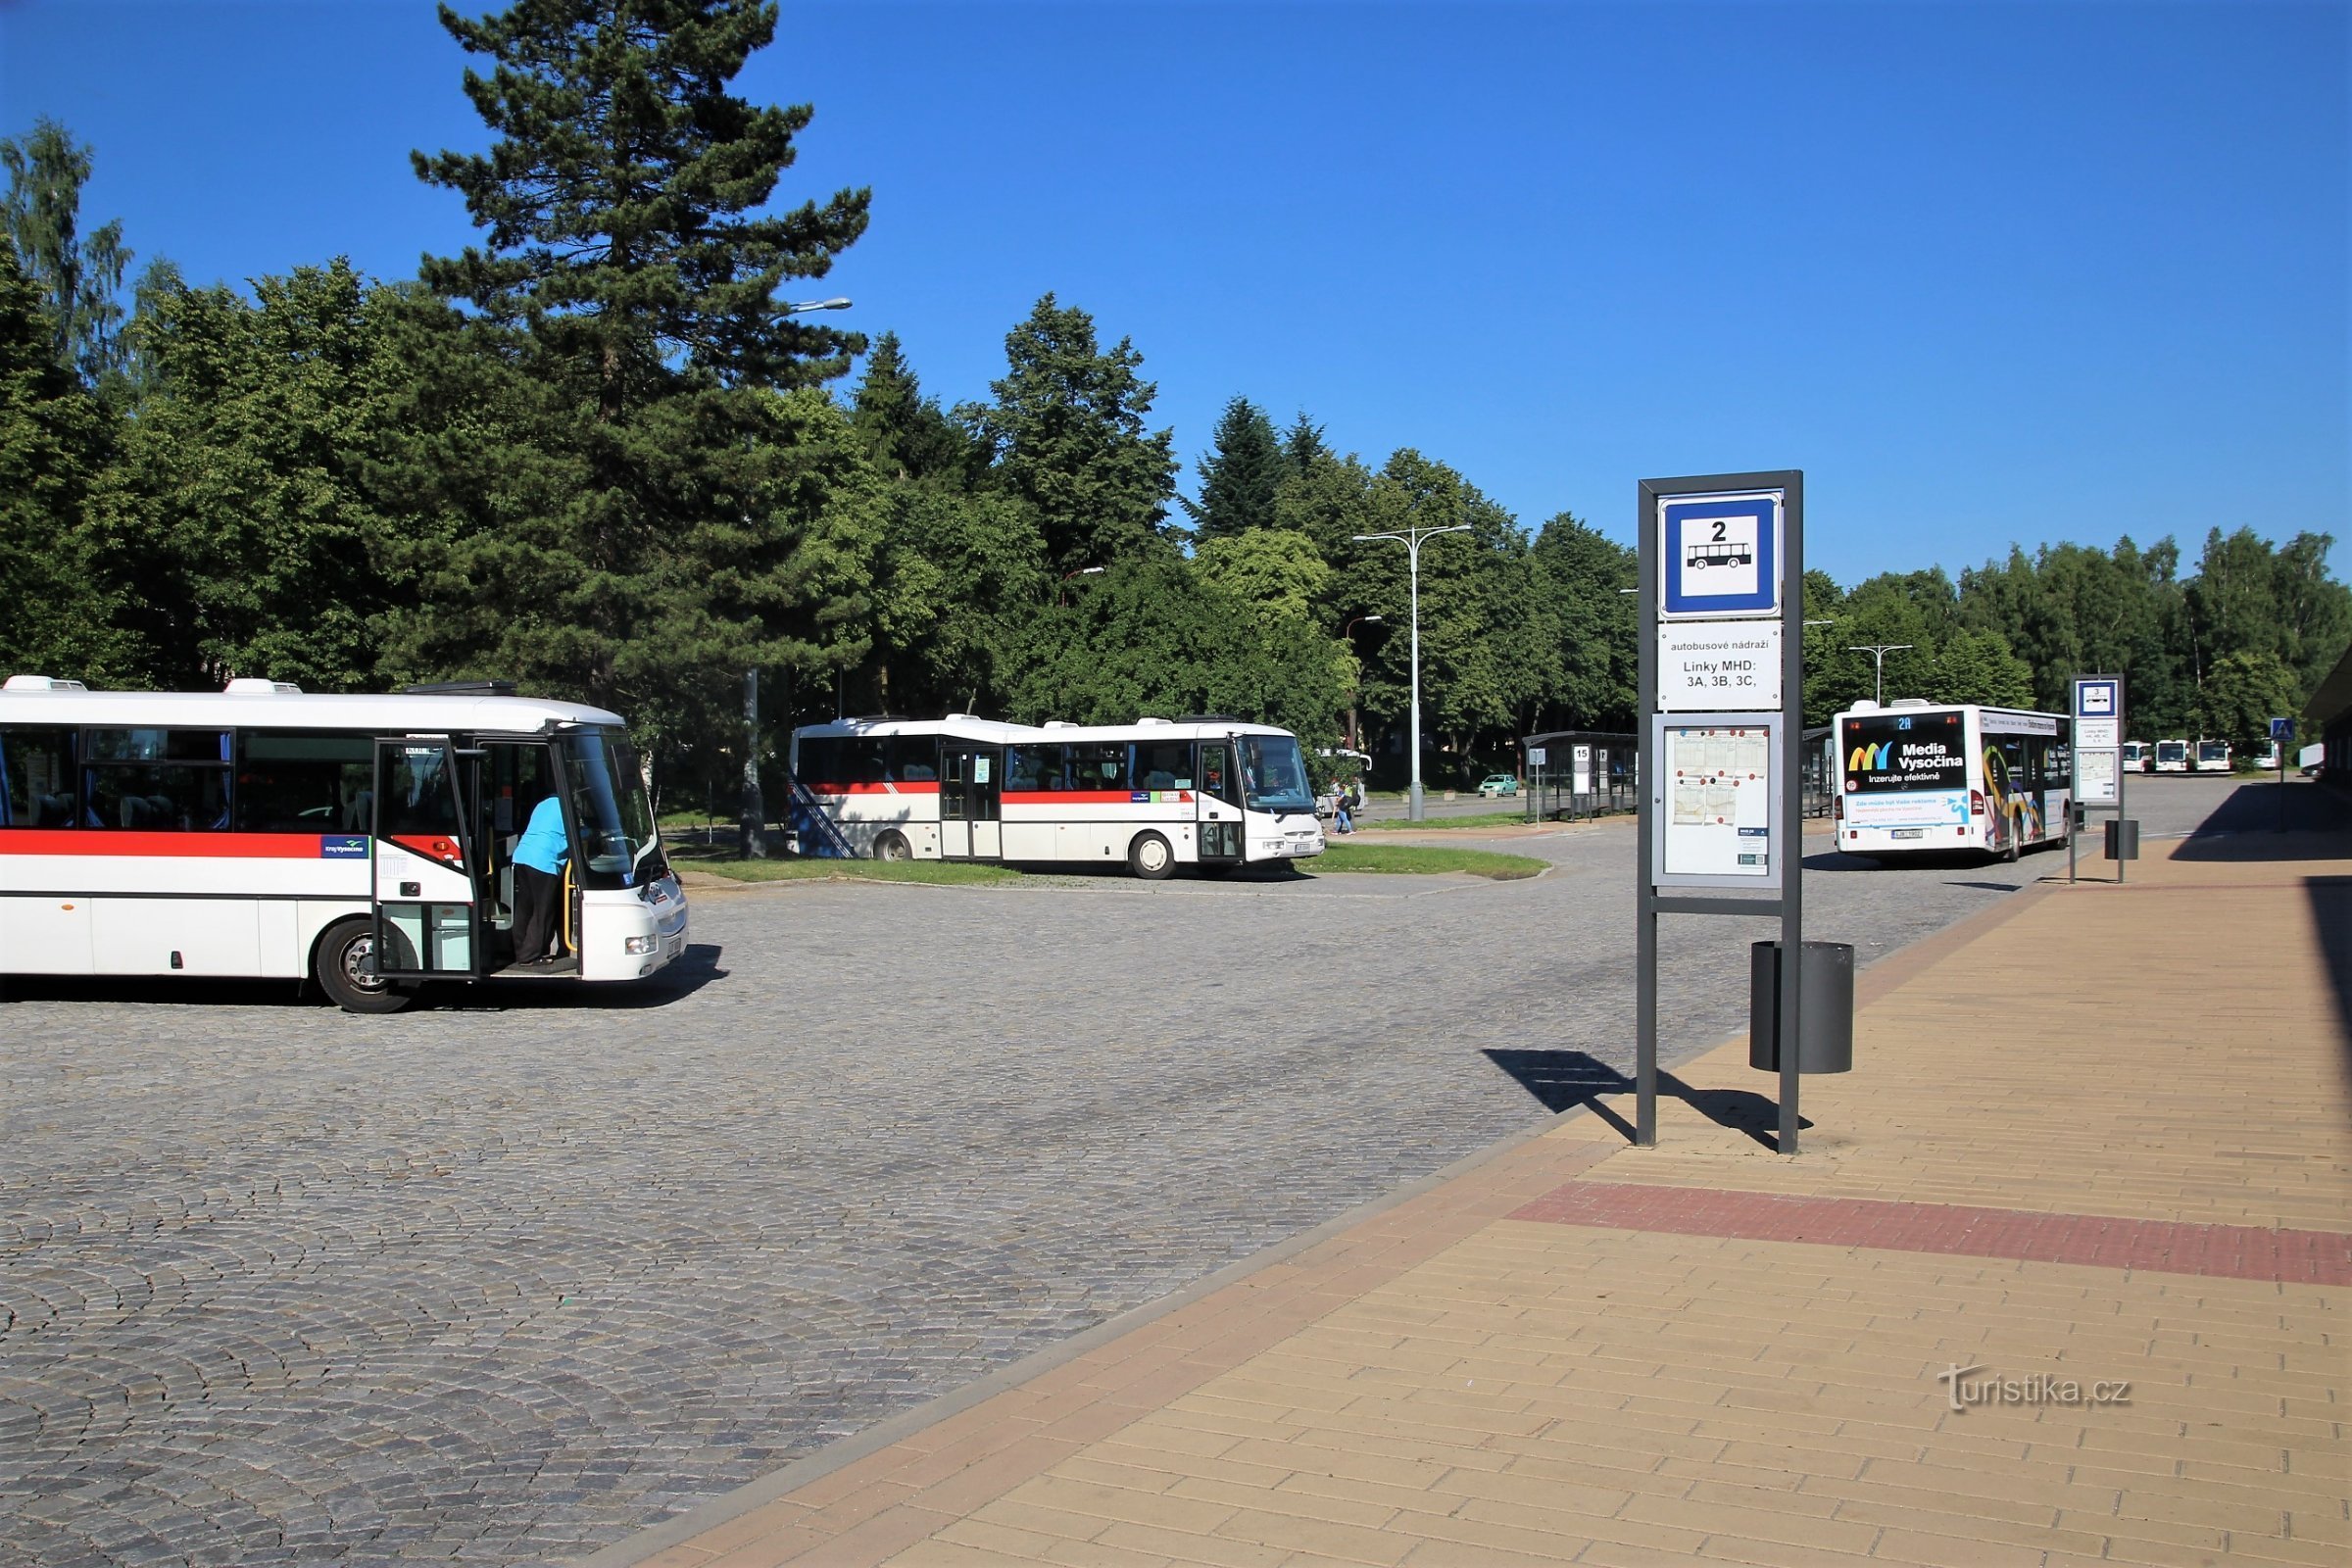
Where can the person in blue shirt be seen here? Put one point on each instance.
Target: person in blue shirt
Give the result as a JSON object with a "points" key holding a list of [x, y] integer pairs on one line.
{"points": [[539, 856]]}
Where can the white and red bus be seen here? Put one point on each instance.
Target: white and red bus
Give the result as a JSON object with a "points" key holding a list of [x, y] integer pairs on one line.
{"points": [[1207, 791], [2172, 756], [1922, 776], [360, 842]]}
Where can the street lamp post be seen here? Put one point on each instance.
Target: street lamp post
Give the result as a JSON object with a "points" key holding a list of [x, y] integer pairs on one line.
{"points": [[1411, 539], [1878, 652], [1347, 635], [1061, 595], [750, 839]]}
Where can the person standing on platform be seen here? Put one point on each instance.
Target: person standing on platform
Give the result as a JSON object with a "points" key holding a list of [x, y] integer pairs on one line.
{"points": [[539, 856]]}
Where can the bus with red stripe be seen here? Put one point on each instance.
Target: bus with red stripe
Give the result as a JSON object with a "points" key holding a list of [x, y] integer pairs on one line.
{"points": [[1206, 790], [363, 842]]}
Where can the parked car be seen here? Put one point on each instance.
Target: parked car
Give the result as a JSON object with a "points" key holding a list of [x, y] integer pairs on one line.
{"points": [[1498, 784]]}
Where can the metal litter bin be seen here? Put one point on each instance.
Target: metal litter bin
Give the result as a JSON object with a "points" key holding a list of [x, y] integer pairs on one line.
{"points": [[1825, 1031], [2122, 838]]}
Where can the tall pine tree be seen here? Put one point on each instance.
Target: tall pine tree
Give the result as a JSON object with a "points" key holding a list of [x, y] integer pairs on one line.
{"points": [[1238, 474], [651, 516], [1066, 435]]}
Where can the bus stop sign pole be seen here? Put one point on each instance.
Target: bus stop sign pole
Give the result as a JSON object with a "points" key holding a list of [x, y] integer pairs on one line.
{"points": [[1722, 573]]}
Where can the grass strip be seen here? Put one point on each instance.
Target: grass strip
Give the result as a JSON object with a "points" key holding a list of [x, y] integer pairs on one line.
{"points": [[1424, 859], [937, 873], [1440, 824]]}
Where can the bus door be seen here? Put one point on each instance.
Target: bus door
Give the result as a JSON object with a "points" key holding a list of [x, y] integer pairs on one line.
{"points": [[421, 888], [516, 776], [970, 780], [1220, 796]]}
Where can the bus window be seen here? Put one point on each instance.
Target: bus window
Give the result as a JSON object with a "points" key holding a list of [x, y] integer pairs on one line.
{"points": [[610, 817], [1099, 768], [911, 759], [37, 778], [1275, 774], [1216, 772], [420, 800], [294, 783], [1033, 768], [156, 780], [1162, 765]]}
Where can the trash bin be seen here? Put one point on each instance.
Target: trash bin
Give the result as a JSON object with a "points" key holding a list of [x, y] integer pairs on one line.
{"points": [[1825, 1031], [2122, 838]]}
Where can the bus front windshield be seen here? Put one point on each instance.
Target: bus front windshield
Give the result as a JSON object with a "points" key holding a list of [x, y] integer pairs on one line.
{"points": [[1274, 775], [620, 845]]}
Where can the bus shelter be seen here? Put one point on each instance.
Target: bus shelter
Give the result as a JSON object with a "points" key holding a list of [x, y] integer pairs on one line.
{"points": [[1578, 773], [1821, 771]]}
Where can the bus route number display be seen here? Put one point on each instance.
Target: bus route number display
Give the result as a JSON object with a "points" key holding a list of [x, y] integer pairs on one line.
{"points": [[1713, 804]]}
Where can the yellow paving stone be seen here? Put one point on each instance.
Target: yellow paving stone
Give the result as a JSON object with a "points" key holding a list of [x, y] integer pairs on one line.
{"points": [[1298, 1504], [1296, 1534]]}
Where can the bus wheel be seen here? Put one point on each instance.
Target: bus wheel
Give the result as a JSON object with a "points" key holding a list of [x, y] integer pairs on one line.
{"points": [[1149, 857], [343, 954], [892, 847]]}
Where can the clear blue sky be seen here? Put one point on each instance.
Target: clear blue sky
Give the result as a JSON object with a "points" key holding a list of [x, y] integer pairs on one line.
{"points": [[1986, 273]]}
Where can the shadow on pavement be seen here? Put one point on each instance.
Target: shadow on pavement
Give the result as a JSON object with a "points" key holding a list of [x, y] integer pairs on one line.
{"points": [[1562, 1080], [2331, 912], [2245, 826], [692, 969]]}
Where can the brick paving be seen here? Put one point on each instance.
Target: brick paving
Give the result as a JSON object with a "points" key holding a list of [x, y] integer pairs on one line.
{"points": [[2229, 1252], [1489, 1372]]}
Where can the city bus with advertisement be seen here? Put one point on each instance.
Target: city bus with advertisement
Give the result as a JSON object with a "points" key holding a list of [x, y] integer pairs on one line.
{"points": [[1206, 790], [363, 842], [1919, 776], [2172, 756]]}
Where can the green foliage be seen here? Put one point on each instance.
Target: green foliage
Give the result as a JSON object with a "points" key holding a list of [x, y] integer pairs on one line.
{"points": [[1152, 637], [1239, 476], [57, 567], [633, 498], [260, 549], [905, 432], [1976, 666], [2243, 692], [77, 279], [1066, 436], [616, 203]]}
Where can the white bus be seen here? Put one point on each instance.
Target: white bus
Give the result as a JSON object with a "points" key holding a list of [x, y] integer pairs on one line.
{"points": [[1207, 791], [2136, 756], [2172, 756], [2213, 756], [362, 841], [1919, 777]]}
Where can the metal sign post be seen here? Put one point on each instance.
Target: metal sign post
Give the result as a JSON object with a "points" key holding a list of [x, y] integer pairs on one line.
{"points": [[2097, 743], [2282, 736], [1722, 691]]}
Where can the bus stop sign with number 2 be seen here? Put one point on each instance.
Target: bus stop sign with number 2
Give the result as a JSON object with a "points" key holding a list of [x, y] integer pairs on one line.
{"points": [[1720, 556]]}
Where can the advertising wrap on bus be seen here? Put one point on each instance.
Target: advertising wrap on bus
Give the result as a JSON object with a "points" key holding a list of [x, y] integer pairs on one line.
{"points": [[1905, 770]]}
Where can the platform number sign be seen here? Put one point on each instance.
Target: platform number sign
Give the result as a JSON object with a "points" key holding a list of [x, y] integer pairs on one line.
{"points": [[1720, 554]]}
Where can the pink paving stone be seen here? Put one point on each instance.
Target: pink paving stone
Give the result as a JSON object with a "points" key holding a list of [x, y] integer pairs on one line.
{"points": [[2162, 1246]]}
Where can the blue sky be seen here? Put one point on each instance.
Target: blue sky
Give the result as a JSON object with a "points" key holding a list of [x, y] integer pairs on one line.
{"points": [[1989, 273]]}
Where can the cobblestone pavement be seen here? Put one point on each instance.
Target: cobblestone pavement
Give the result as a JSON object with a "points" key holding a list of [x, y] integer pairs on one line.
{"points": [[511, 1279]]}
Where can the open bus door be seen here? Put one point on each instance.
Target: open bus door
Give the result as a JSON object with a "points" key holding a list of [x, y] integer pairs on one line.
{"points": [[421, 863]]}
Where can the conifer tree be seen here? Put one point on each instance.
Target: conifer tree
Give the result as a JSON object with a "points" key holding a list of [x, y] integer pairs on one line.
{"points": [[639, 516], [1239, 476], [1066, 435]]}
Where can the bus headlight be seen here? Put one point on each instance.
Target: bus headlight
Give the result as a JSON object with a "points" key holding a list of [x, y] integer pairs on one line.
{"points": [[639, 945]]}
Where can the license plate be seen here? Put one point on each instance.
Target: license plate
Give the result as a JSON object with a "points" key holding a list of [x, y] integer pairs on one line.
{"points": [[1910, 832]]}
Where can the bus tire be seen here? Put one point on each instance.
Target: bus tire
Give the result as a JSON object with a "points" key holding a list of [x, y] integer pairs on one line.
{"points": [[892, 845], [1149, 857], [342, 952]]}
